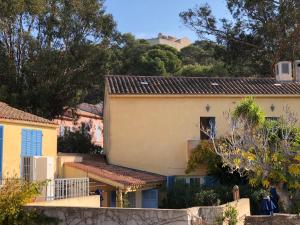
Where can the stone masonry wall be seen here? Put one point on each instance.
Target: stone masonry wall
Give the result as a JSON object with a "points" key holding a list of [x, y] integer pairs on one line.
{"points": [[277, 219], [118, 216]]}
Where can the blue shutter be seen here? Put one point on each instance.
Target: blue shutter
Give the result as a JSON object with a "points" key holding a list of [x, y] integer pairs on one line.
{"points": [[31, 142], [1, 149], [39, 136], [150, 198], [170, 182], [113, 199]]}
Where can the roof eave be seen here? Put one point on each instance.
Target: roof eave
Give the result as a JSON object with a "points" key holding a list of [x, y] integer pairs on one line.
{"points": [[30, 123]]}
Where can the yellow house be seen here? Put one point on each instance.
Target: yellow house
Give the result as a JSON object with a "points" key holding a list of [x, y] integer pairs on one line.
{"points": [[151, 123], [22, 135]]}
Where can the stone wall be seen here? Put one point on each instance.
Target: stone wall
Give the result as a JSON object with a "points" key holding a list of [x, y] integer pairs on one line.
{"points": [[118, 216], [210, 213], [124, 216], [277, 219]]}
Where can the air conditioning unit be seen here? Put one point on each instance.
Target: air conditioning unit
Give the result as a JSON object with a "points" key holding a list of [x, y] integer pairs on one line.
{"points": [[283, 71], [39, 168], [297, 70]]}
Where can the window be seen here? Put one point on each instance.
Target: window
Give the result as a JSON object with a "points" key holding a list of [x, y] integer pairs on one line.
{"points": [[285, 68], [197, 180], [31, 142], [209, 125], [98, 133], [61, 131], [272, 118]]}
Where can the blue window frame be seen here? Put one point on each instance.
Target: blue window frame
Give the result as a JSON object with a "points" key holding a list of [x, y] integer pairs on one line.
{"points": [[1, 150], [31, 142], [150, 198]]}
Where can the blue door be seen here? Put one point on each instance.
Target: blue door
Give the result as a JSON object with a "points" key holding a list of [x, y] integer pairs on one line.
{"points": [[1, 150], [113, 199], [31, 142], [150, 198]]}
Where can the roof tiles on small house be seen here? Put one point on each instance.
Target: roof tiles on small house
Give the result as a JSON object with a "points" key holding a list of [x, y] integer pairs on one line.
{"points": [[158, 85], [10, 113], [122, 175]]}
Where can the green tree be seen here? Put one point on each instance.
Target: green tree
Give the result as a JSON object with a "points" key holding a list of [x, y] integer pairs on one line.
{"points": [[79, 141], [57, 50], [259, 34], [200, 52], [137, 57]]}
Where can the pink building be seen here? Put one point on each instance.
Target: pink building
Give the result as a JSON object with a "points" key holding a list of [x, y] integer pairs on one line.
{"points": [[84, 115]]}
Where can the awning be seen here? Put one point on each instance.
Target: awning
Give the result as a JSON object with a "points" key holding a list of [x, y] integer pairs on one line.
{"points": [[117, 176]]}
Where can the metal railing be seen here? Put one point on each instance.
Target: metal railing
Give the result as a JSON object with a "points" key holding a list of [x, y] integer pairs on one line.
{"points": [[70, 188]]}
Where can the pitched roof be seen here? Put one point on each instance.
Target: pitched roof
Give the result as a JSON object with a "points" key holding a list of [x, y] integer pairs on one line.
{"points": [[94, 109], [158, 85], [8, 112], [125, 176]]}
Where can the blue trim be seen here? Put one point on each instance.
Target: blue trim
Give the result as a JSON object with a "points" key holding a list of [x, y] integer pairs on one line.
{"points": [[113, 199], [170, 182], [150, 198]]}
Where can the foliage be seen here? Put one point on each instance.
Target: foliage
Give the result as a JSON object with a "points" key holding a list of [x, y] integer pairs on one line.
{"points": [[137, 57], [79, 141], [253, 40], [266, 151], [53, 53], [206, 198], [200, 52], [230, 216], [250, 111], [196, 70], [205, 155], [183, 195], [14, 194]]}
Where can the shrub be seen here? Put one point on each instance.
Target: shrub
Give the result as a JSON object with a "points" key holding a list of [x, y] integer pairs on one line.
{"points": [[230, 216], [14, 194], [206, 198]]}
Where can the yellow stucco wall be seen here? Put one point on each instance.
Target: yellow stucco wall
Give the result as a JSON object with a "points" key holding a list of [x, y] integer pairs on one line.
{"points": [[151, 133], [12, 131], [92, 201]]}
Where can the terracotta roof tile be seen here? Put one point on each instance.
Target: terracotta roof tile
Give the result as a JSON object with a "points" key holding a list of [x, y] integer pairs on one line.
{"points": [[122, 175], [8, 112], [158, 85]]}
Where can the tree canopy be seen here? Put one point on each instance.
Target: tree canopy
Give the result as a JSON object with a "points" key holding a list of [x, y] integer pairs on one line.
{"points": [[53, 53], [259, 34]]}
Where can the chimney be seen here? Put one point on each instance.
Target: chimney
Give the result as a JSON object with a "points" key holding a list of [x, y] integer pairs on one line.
{"points": [[297, 70], [283, 71]]}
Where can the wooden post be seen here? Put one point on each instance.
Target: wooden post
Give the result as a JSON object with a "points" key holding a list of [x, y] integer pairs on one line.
{"points": [[236, 193], [119, 198]]}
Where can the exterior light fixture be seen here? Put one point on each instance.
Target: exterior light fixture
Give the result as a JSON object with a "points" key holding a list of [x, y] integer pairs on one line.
{"points": [[272, 108], [207, 107]]}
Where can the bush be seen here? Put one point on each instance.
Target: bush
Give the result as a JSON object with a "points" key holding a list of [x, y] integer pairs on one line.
{"points": [[79, 141], [183, 195], [230, 216], [14, 194], [207, 198]]}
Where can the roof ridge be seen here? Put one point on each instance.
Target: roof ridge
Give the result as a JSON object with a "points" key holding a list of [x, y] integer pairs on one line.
{"points": [[189, 77]]}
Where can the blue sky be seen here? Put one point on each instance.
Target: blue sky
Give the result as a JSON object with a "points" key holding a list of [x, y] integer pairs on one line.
{"points": [[146, 18]]}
